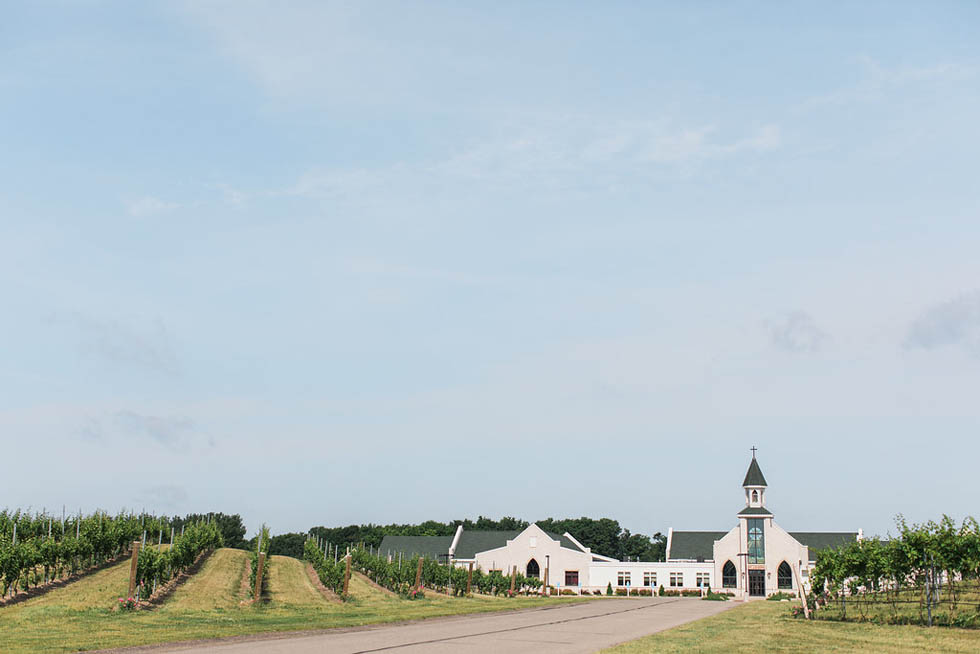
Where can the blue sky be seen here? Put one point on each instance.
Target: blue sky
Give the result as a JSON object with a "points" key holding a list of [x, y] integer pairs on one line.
{"points": [[369, 262]]}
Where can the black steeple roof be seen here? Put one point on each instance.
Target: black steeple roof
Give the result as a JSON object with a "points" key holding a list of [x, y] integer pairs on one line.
{"points": [[754, 477]]}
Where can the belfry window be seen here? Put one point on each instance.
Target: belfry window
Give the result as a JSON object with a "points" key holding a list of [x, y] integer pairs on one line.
{"points": [[728, 575], [755, 496], [784, 576]]}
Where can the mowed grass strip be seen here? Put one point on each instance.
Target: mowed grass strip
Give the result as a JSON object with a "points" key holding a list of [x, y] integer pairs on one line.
{"points": [[99, 588], [762, 626], [216, 586], [289, 585], [207, 605]]}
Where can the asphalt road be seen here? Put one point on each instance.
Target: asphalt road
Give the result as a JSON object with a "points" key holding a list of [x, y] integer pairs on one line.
{"points": [[586, 627]]}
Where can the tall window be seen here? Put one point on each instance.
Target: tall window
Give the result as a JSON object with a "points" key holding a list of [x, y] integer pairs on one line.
{"points": [[533, 569], [623, 578], [571, 577], [757, 541], [649, 578], [784, 576], [677, 579], [703, 580], [729, 577]]}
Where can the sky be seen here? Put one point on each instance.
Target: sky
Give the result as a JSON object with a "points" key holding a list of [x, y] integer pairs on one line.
{"points": [[332, 263]]}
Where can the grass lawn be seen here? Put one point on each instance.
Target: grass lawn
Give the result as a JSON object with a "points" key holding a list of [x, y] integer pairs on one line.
{"points": [[80, 616], [767, 627]]}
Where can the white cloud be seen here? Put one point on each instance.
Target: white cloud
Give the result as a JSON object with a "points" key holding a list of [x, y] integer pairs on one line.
{"points": [[147, 345], [166, 430], [796, 331], [558, 152], [952, 323], [149, 205]]}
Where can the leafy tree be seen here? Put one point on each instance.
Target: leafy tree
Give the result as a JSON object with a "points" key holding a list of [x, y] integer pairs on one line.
{"points": [[230, 525], [287, 545]]}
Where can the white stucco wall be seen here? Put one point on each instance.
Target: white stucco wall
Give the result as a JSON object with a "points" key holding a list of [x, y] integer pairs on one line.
{"points": [[779, 547], [604, 573], [534, 543]]}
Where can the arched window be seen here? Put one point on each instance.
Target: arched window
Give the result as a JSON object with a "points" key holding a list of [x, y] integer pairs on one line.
{"points": [[784, 576], [755, 496], [533, 569], [728, 575]]}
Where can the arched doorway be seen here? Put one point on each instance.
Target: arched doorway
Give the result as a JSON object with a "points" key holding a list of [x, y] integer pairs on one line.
{"points": [[784, 576], [729, 577], [533, 569]]}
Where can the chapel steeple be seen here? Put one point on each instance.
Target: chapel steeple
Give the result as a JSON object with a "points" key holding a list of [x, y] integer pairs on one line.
{"points": [[755, 489]]}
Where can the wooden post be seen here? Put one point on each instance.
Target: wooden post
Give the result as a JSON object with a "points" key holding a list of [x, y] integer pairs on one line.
{"points": [[513, 579], [799, 586], [257, 592], [346, 573], [132, 568], [469, 578], [418, 574], [547, 588]]}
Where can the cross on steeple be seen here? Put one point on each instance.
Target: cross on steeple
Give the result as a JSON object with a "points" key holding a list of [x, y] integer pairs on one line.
{"points": [[753, 448]]}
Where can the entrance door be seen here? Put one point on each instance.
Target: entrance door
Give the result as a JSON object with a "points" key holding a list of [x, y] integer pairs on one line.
{"points": [[757, 583]]}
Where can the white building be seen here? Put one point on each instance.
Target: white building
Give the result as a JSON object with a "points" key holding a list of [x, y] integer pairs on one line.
{"points": [[756, 558]]}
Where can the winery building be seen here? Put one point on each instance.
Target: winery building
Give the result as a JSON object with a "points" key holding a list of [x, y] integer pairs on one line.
{"points": [[755, 558]]}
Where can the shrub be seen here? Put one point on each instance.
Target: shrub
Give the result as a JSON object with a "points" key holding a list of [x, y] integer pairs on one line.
{"points": [[622, 592], [716, 597], [568, 591], [776, 597], [690, 593], [609, 588], [643, 592], [661, 591]]}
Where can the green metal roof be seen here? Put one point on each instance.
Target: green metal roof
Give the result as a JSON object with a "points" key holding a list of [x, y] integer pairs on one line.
{"points": [[755, 510], [469, 545], [694, 544], [753, 476], [821, 540], [429, 546]]}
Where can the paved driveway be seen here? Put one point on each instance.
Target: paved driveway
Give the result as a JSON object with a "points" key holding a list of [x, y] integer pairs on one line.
{"points": [[586, 627]]}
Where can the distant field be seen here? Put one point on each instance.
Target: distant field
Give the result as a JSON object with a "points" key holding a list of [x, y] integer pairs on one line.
{"points": [[768, 627], [209, 605]]}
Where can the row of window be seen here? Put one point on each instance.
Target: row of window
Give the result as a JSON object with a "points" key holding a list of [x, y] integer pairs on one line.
{"points": [[702, 579]]}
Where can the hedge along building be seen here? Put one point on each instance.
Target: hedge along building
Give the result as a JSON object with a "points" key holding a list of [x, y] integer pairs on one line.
{"points": [[756, 558]]}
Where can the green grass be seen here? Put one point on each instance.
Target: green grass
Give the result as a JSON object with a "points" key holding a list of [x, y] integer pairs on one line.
{"points": [[768, 627], [209, 605]]}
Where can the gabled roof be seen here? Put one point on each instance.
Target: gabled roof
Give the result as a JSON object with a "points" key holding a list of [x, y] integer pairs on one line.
{"points": [[469, 545], [755, 510], [753, 476], [472, 542], [693, 544], [822, 540]]}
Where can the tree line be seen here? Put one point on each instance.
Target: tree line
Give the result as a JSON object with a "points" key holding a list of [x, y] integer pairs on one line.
{"points": [[603, 536]]}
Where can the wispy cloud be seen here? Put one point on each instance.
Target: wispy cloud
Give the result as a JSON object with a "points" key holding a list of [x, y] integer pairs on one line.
{"points": [[562, 152], [165, 496], [796, 331], [877, 81], [166, 430], [149, 205], [952, 323], [148, 346]]}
